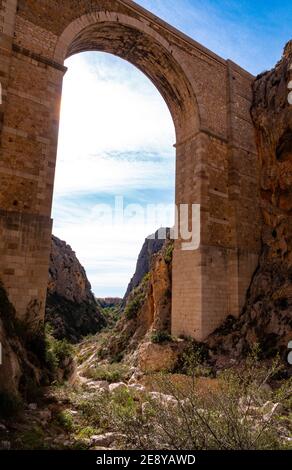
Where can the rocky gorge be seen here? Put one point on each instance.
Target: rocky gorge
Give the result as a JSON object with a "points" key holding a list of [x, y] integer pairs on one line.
{"points": [[132, 383]]}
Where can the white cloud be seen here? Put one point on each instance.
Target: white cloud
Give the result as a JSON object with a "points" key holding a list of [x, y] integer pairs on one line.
{"points": [[103, 116], [97, 173], [100, 113], [116, 137], [108, 250]]}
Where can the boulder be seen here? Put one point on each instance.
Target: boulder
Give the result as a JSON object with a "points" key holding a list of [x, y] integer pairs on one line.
{"points": [[117, 387], [158, 357], [163, 398], [101, 385], [137, 390], [104, 440]]}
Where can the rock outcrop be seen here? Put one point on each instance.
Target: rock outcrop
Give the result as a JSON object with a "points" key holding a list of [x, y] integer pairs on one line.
{"points": [[152, 245], [23, 361], [267, 315], [11, 347], [148, 308], [71, 307], [154, 357]]}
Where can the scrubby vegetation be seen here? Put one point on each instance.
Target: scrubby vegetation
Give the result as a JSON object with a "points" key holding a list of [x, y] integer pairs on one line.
{"points": [[169, 253], [114, 372], [134, 305], [246, 407], [238, 411], [111, 315], [59, 353], [159, 337], [65, 419], [137, 299], [194, 361]]}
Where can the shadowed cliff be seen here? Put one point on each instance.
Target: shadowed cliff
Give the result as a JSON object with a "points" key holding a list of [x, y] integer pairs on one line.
{"points": [[71, 308]]}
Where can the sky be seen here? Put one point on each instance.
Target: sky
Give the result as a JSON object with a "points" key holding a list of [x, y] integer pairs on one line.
{"points": [[115, 152]]}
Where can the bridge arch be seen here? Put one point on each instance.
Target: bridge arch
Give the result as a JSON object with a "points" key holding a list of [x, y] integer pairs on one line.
{"points": [[209, 99], [143, 47]]}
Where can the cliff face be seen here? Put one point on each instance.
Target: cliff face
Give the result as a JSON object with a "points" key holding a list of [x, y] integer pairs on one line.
{"points": [[148, 307], [267, 317], [151, 246], [12, 348], [71, 307], [23, 364]]}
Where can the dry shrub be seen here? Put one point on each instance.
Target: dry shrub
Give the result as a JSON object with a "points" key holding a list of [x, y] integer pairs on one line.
{"points": [[235, 414]]}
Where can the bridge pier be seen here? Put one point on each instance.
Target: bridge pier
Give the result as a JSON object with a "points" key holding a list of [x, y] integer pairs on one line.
{"points": [[209, 99]]}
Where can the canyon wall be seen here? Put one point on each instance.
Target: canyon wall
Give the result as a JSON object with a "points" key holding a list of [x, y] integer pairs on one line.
{"points": [[71, 307]]}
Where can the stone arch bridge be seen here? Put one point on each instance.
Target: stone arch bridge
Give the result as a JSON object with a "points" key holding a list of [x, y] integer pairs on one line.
{"points": [[216, 158]]}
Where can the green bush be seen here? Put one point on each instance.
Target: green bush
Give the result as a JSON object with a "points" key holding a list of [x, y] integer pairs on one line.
{"points": [[159, 337], [63, 350], [193, 361], [133, 307], [86, 432], [107, 412], [57, 351], [168, 255], [146, 279], [65, 419], [118, 357], [110, 372]]}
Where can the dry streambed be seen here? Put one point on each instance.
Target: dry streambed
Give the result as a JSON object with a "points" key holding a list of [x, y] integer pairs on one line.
{"points": [[77, 416]]}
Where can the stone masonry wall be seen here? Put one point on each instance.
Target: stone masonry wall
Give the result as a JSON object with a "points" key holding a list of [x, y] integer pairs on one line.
{"points": [[209, 99]]}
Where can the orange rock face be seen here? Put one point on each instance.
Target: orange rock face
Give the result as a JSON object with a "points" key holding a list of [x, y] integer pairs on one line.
{"points": [[158, 357], [148, 308]]}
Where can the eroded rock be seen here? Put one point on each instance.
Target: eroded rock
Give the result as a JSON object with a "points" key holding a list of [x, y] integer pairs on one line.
{"points": [[105, 440], [148, 308], [158, 357], [71, 307]]}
